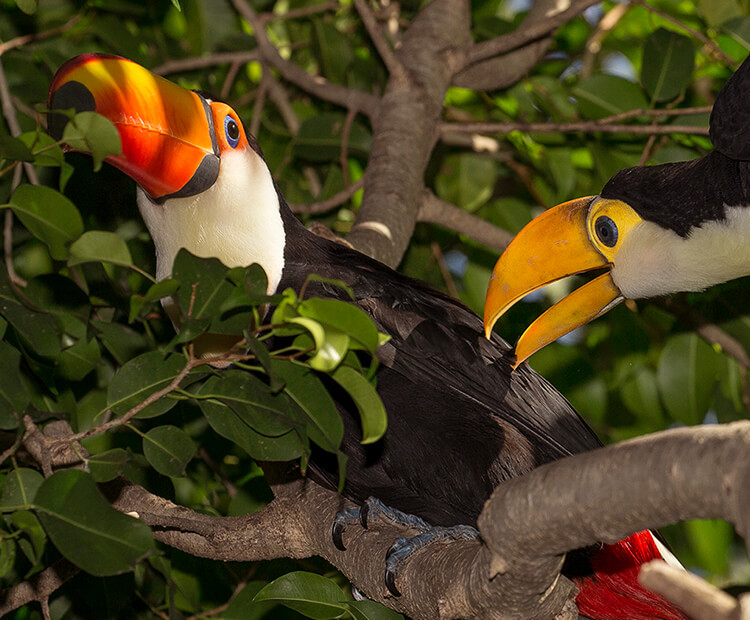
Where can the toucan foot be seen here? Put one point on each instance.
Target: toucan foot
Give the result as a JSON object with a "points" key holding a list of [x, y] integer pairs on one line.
{"points": [[403, 548], [373, 509]]}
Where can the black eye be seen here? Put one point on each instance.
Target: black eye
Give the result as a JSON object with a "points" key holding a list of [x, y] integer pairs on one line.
{"points": [[232, 131], [606, 231]]}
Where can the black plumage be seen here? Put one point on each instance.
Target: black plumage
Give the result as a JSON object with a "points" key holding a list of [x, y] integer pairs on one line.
{"points": [[459, 421], [682, 195]]}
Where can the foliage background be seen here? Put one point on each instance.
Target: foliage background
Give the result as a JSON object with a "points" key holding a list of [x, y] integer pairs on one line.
{"points": [[642, 368]]}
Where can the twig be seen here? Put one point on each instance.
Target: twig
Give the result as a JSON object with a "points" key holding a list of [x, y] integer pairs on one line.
{"points": [[698, 35], [603, 28], [190, 64], [433, 210], [324, 206], [305, 11], [661, 112], [226, 87], [260, 101], [585, 126], [695, 596], [450, 284], [389, 58], [335, 93], [522, 36], [39, 587], [344, 156], [30, 38]]}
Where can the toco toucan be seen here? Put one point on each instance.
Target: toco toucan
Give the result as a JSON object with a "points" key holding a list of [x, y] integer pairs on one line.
{"points": [[682, 226], [460, 422]]}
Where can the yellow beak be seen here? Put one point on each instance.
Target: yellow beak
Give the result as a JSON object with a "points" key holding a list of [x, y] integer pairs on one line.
{"points": [[553, 246]]}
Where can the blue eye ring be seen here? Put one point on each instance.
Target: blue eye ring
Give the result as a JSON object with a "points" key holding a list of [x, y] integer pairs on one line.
{"points": [[606, 231], [231, 131]]}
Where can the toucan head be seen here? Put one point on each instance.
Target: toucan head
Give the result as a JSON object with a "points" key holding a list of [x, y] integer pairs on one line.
{"points": [[204, 185], [653, 230]]}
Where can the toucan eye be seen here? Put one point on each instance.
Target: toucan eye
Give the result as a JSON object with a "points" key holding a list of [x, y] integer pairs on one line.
{"points": [[232, 131], [606, 231]]}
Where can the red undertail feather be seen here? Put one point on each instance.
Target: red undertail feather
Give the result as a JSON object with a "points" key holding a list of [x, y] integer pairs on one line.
{"points": [[613, 591]]}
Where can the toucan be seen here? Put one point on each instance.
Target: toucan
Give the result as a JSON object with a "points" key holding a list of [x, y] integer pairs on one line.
{"points": [[655, 230], [460, 421]]}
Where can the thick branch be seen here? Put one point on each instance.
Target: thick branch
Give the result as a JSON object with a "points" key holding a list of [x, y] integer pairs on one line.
{"points": [[404, 129], [603, 495]]}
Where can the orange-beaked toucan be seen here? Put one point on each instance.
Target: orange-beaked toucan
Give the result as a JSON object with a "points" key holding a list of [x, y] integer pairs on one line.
{"points": [[656, 230], [459, 421]]}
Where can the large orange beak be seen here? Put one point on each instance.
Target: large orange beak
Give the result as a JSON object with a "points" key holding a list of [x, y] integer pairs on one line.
{"points": [[168, 142], [554, 245]]}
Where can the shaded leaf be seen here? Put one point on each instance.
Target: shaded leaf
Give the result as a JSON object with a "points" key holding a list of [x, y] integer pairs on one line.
{"points": [[94, 134], [371, 409], [606, 95], [15, 149], [86, 529], [49, 216], [668, 61], [19, 488], [686, 376], [100, 246], [14, 396], [309, 594], [106, 466], [141, 377], [169, 449]]}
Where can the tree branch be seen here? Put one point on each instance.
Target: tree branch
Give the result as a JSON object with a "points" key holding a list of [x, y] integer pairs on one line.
{"points": [[585, 126], [433, 210], [603, 495], [526, 34], [328, 91]]}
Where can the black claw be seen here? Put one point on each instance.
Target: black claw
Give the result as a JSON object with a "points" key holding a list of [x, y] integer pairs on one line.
{"points": [[390, 583], [390, 551], [363, 512], [337, 533]]}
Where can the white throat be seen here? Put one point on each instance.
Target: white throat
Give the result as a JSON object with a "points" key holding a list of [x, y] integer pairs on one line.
{"points": [[237, 220], [654, 261]]}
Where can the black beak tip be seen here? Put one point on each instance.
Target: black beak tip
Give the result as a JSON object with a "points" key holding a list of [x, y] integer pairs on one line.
{"points": [[70, 95]]}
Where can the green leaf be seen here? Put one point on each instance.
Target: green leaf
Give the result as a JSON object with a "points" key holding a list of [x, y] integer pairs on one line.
{"points": [[309, 594], [78, 360], [686, 376], [169, 449], [39, 332], [249, 399], [710, 541], [93, 133], [319, 138], [467, 180], [371, 610], [19, 488], [331, 344], [606, 95], [640, 394], [100, 246], [141, 377], [106, 466], [365, 396], [668, 62], [324, 423], [86, 529], [139, 304], [27, 6], [49, 216], [228, 424], [15, 149], [27, 522], [717, 12], [346, 317], [739, 29], [203, 284], [7, 555], [14, 396], [243, 607]]}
